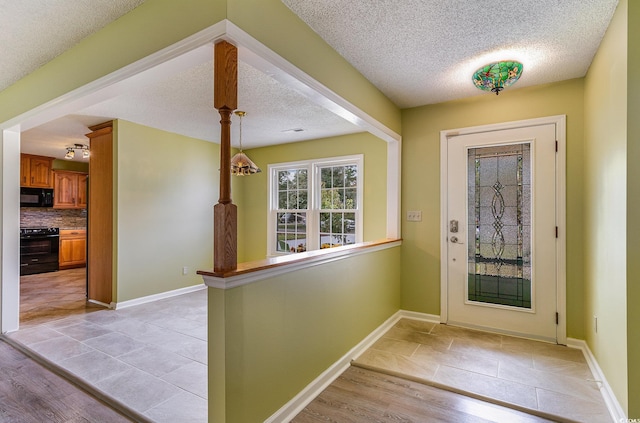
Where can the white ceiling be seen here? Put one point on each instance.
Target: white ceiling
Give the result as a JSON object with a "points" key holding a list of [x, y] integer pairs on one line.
{"points": [[415, 51]]}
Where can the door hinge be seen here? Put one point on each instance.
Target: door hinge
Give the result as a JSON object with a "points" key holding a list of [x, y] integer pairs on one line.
{"points": [[557, 318], [556, 146], [556, 231]]}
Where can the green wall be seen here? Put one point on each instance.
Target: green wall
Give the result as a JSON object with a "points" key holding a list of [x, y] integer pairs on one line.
{"points": [[61, 164], [252, 192], [605, 204], [281, 333], [167, 185], [633, 205], [421, 128]]}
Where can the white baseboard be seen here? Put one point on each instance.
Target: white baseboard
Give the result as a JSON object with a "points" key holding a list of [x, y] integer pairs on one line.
{"points": [[615, 409], [431, 318], [100, 303], [156, 297]]}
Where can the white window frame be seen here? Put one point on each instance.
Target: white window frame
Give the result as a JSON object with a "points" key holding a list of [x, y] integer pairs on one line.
{"points": [[313, 167]]}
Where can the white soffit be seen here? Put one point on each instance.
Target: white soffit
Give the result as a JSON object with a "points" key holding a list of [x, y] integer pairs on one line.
{"points": [[425, 51], [183, 104]]}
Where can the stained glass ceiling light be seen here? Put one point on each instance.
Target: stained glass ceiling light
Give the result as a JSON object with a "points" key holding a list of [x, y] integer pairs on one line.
{"points": [[242, 165], [495, 77]]}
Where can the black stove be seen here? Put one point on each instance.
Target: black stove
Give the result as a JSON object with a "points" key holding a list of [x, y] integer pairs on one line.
{"points": [[38, 232], [39, 250]]}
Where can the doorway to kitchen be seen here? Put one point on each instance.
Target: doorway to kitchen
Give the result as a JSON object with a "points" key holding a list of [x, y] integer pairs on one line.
{"points": [[52, 238], [503, 228]]}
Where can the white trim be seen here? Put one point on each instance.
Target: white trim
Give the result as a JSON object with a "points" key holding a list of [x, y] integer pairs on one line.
{"points": [[561, 223], [415, 315], [394, 189], [333, 254], [613, 405], [288, 411], [561, 209], [444, 230], [263, 58], [156, 297], [9, 233], [100, 303], [312, 220]]}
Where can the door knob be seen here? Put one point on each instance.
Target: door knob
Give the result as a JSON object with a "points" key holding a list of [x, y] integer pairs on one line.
{"points": [[454, 239]]}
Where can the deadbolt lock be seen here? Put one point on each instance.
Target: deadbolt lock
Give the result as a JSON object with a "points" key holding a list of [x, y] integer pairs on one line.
{"points": [[453, 226]]}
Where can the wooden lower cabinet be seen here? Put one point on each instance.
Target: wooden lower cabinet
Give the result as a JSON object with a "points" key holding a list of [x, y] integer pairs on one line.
{"points": [[73, 248]]}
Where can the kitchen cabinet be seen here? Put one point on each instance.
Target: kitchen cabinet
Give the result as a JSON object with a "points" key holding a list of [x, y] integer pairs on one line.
{"points": [[73, 248], [69, 190], [36, 171]]}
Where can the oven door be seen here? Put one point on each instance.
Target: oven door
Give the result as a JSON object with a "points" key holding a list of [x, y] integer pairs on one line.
{"points": [[39, 254]]}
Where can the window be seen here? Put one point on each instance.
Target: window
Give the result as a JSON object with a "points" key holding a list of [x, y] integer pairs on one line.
{"points": [[315, 204]]}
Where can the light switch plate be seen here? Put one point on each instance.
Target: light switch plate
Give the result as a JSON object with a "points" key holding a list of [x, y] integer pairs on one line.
{"points": [[414, 216]]}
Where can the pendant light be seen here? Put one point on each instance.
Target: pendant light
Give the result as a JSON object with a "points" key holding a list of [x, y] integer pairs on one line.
{"points": [[242, 165]]}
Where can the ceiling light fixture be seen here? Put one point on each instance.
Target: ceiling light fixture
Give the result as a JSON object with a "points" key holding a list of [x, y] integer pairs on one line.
{"points": [[71, 151], [242, 165], [495, 77]]}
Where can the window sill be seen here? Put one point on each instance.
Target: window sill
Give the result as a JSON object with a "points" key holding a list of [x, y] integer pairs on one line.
{"points": [[261, 269]]}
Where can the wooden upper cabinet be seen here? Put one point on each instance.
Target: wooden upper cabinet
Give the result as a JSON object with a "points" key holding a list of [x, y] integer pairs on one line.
{"points": [[36, 171], [82, 191], [70, 190]]}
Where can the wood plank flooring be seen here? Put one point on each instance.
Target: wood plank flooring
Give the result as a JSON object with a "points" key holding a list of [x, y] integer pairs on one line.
{"points": [[361, 395], [53, 295], [30, 393]]}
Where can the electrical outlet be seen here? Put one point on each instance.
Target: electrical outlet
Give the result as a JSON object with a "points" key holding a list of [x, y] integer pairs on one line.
{"points": [[414, 216], [185, 270]]}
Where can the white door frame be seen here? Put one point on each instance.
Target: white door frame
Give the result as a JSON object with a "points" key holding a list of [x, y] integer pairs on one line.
{"points": [[561, 210]]}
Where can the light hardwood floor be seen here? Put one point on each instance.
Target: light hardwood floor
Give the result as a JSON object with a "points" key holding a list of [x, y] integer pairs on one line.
{"points": [[29, 393], [53, 295], [361, 395]]}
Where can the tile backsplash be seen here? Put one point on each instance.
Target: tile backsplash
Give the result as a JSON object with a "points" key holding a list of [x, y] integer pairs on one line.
{"points": [[36, 217]]}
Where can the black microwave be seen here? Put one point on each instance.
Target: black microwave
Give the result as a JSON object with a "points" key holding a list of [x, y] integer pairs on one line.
{"points": [[36, 197]]}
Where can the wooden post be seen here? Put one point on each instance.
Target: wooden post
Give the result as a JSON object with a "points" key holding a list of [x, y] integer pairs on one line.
{"points": [[225, 214]]}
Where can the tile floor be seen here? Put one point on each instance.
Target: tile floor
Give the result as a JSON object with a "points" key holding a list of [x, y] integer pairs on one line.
{"points": [[550, 378], [151, 357]]}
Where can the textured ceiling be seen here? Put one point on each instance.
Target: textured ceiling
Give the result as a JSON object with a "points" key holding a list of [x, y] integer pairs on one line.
{"points": [[32, 32], [415, 51], [182, 104], [425, 51]]}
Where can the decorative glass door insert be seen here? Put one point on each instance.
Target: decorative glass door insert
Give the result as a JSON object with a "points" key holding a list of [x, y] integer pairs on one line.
{"points": [[499, 222]]}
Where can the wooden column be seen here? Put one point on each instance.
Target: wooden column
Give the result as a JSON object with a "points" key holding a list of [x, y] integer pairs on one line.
{"points": [[100, 215], [225, 214]]}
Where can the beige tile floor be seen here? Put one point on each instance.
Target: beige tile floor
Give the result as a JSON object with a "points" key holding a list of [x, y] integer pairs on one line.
{"points": [[553, 379], [151, 358]]}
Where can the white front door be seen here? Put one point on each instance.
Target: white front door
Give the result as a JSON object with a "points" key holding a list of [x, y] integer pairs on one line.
{"points": [[501, 246]]}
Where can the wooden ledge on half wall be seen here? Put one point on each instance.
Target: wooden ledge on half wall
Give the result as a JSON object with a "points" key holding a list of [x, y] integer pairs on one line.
{"points": [[254, 269]]}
